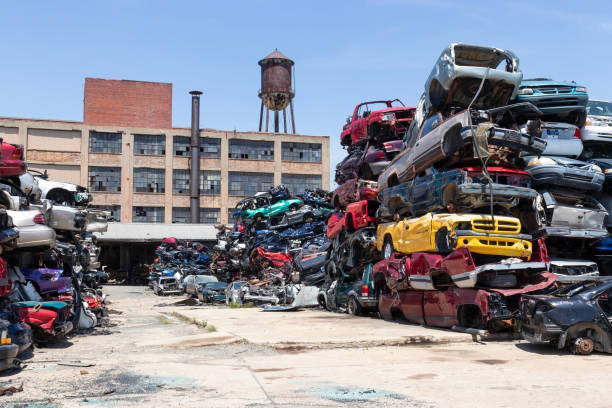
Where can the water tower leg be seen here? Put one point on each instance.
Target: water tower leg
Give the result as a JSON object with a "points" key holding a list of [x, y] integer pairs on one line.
{"points": [[285, 119], [292, 117], [276, 130], [260, 115], [267, 118]]}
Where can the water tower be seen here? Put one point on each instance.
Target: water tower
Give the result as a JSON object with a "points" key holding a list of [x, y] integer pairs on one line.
{"points": [[276, 89]]}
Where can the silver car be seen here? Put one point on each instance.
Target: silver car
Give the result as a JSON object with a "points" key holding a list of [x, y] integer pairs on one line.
{"points": [[33, 231], [455, 78], [191, 282], [598, 126]]}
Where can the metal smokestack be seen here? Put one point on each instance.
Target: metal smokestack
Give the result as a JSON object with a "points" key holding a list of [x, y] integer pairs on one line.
{"points": [[194, 179]]}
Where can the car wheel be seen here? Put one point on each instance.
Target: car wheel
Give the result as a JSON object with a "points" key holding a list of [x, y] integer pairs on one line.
{"points": [[444, 243], [353, 307], [388, 249]]}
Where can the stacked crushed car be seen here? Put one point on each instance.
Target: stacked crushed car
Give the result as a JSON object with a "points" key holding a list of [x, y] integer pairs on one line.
{"points": [[49, 270]]}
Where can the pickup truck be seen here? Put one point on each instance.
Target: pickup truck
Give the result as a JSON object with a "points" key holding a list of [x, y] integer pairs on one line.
{"points": [[385, 122]]}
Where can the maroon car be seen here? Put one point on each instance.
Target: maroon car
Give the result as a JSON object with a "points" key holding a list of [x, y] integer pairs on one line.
{"points": [[377, 121], [367, 163], [357, 215], [354, 190]]}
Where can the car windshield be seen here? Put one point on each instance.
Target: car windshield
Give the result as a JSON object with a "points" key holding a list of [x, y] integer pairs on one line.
{"points": [[599, 108], [596, 151], [205, 279]]}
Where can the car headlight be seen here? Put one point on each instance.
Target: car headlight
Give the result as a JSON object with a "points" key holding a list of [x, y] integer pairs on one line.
{"points": [[595, 123], [608, 171], [596, 168], [525, 91], [388, 117], [581, 89], [541, 160]]}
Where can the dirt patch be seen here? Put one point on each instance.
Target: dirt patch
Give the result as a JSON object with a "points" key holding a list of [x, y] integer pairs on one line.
{"points": [[423, 376], [199, 342], [491, 362]]}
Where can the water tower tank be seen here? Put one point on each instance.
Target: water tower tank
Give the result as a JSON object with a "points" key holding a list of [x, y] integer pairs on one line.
{"points": [[276, 91]]}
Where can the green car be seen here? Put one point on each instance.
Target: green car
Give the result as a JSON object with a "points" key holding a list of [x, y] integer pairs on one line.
{"points": [[271, 210]]}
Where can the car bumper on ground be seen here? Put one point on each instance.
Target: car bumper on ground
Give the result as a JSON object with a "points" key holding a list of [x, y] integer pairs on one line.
{"points": [[8, 356]]}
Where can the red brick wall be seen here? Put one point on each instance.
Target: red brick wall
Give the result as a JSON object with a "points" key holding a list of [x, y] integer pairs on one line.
{"points": [[110, 102]]}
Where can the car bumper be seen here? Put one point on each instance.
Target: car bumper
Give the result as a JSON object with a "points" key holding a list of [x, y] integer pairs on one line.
{"points": [[561, 104], [596, 133], [578, 179], [494, 244], [8, 356], [478, 194], [170, 292], [36, 236], [572, 232], [368, 303]]}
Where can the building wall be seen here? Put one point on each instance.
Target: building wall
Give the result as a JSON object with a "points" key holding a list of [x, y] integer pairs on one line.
{"points": [[110, 102], [62, 148]]}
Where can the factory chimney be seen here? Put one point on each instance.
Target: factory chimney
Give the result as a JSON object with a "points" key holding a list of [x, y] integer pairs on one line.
{"points": [[194, 179]]}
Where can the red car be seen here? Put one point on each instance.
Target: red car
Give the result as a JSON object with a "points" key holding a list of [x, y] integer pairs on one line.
{"points": [[11, 160], [378, 121], [352, 191], [426, 288], [357, 215]]}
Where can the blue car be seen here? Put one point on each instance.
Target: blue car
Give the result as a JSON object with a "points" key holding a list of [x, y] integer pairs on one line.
{"points": [[558, 100], [213, 292]]}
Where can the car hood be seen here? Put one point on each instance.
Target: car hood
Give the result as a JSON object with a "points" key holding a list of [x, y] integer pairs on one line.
{"points": [[603, 163], [547, 82], [566, 161]]}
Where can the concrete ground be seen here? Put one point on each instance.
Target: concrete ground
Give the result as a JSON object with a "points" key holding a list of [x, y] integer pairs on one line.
{"points": [[160, 354]]}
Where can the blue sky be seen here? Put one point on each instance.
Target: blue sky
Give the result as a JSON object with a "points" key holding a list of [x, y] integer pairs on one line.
{"points": [[345, 51]]}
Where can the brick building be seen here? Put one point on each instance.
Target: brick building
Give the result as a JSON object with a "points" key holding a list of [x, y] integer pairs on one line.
{"points": [[137, 165]]}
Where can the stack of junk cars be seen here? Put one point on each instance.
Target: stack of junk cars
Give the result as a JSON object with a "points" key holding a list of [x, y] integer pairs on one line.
{"points": [[276, 248], [49, 269], [485, 208]]}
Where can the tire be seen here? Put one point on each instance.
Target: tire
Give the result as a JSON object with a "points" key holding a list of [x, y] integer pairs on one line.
{"points": [[387, 249], [443, 242], [353, 307]]}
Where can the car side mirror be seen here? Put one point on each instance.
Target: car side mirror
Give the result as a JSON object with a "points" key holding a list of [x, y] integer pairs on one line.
{"points": [[348, 120]]}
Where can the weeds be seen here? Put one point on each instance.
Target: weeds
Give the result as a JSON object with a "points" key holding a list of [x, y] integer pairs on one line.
{"points": [[190, 320], [164, 320], [233, 305], [212, 328]]}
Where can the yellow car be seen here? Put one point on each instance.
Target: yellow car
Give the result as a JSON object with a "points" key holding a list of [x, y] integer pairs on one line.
{"points": [[443, 233]]}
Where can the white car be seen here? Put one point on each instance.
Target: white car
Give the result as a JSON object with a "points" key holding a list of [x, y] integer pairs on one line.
{"points": [[562, 139], [598, 126]]}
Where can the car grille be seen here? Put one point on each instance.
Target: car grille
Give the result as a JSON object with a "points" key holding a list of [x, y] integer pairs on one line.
{"points": [[499, 226], [551, 90]]}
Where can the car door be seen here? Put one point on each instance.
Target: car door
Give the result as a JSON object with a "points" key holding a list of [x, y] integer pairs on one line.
{"points": [[423, 190], [418, 231], [440, 308], [188, 282], [343, 289]]}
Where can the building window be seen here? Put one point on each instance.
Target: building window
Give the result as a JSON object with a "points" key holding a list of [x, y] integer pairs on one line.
{"points": [[104, 142], [114, 210], [105, 178], [207, 215], [210, 182], [248, 184], [147, 180], [301, 152], [180, 181], [150, 144], [251, 149], [148, 214], [297, 183], [209, 147]]}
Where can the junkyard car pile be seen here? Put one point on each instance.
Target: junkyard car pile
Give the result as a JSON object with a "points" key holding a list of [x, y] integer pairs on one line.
{"points": [[49, 272], [275, 249], [493, 192], [486, 207]]}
